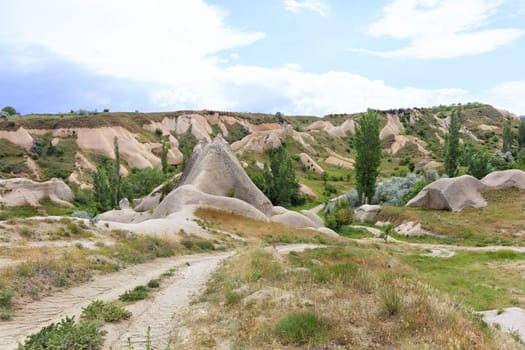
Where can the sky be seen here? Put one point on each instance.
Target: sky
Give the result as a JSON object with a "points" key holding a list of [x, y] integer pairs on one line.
{"points": [[297, 57]]}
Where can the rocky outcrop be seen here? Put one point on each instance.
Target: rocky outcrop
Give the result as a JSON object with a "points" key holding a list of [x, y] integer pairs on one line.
{"points": [[393, 127], [452, 194], [310, 164], [504, 179], [213, 169], [261, 141], [335, 131], [20, 192], [20, 137]]}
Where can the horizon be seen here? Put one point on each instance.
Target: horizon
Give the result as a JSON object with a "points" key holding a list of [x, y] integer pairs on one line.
{"points": [[309, 57]]}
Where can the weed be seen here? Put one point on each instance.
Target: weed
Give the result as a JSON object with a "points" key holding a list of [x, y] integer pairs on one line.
{"points": [[137, 293], [300, 328], [108, 312], [66, 335]]}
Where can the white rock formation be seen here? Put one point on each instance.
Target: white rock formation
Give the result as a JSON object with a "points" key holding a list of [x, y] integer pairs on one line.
{"points": [[18, 192], [367, 213], [452, 194], [505, 179]]}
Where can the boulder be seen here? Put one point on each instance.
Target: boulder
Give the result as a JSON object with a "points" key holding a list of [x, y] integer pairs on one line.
{"points": [[504, 179], [19, 191], [314, 217], [452, 194], [367, 213]]}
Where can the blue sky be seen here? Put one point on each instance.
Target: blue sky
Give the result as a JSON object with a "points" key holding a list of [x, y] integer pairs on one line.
{"points": [[310, 57]]}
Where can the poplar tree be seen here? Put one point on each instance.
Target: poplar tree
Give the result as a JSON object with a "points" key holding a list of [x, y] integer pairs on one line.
{"points": [[368, 155], [452, 144]]}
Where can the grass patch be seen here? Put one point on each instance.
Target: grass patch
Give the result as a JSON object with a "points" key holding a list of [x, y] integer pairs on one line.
{"points": [[137, 293], [300, 328], [153, 284], [66, 335], [495, 224], [270, 232], [107, 312], [339, 297], [482, 280]]}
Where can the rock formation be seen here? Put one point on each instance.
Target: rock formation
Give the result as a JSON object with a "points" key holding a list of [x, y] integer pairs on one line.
{"points": [[452, 194], [505, 179], [18, 192]]}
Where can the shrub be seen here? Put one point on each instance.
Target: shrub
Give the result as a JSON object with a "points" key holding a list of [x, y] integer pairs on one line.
{"points": [[137, 293], [5, 297], [300, 328], [153, 284], [193, 244], [66, 335], [108, 312], [393, 190]]}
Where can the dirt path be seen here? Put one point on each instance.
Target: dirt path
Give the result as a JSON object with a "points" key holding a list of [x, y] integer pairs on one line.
{"points": [[160, 311], [32, 317]]}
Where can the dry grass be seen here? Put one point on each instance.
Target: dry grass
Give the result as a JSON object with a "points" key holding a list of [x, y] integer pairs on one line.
{"points": [[270, 232], [363, 295]]}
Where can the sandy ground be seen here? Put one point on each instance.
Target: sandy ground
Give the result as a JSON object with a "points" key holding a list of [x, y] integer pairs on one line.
{"points": [[161, 312], [511, 319], [32, 317]]}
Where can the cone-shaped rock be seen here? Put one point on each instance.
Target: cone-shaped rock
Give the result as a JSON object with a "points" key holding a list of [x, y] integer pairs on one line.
{"points": [[214, 169]]}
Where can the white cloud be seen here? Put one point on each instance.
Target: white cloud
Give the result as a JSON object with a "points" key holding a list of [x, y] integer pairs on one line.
{"points": [[298, 92], [508, 95], [313, 5], [161, 40], [441, 28], [174, 46]]}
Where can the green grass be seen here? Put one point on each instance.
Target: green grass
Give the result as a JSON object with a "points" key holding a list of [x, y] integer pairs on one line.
{"points": [[299, 328], [12, 159], [137, 293], [495, 224], [482, 280], [108, 312]]}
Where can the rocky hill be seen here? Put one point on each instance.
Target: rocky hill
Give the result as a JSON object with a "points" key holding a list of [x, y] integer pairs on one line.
{"points": [[70, 146]]}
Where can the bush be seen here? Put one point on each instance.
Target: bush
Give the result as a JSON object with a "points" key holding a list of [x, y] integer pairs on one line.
{"points": [[5, 297], [137, 293], [153, 284], [108, 312], [66, 335], [300, 328], [391, 301], [393, 190]]}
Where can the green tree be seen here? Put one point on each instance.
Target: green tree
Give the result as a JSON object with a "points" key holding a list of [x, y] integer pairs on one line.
{"points": [[508, 137], [368, 155], [521, 134], [479, 164], [9, 110], [280, 184], [164, 157], [452, 144], [101, 189]]}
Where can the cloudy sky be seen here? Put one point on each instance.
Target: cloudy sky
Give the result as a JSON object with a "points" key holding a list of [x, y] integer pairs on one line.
{"points": [[309, 57]]}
